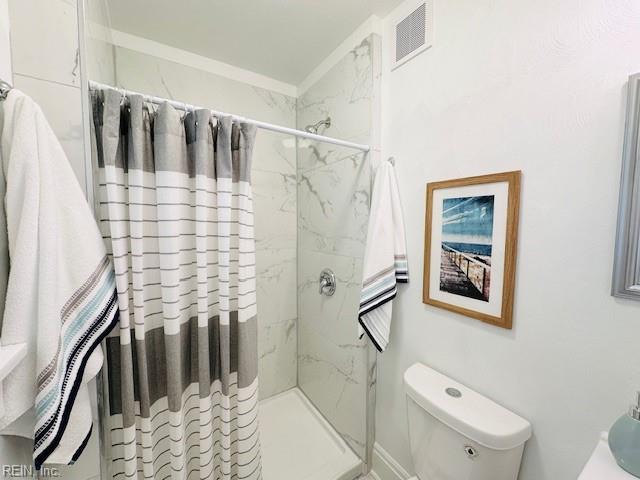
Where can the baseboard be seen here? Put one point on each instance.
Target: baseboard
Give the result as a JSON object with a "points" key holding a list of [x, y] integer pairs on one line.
{"points": [[385, 467]]}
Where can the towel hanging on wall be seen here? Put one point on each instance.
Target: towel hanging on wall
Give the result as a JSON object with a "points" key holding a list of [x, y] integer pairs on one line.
{"points": [[385, 258], [61, 296]]}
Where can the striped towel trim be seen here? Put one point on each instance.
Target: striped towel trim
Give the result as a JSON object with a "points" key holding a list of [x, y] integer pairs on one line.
{"points": [[82, 446], [383, 290], [402, 268], [377, 339], [372, 337], [88, 320], [383, 297], [378, 290]]}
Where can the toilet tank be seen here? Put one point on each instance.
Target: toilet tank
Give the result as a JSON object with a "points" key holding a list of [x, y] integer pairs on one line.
{"points": [[458, 434]]}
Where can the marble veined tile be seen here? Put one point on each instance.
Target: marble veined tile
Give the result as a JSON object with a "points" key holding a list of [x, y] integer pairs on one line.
{"points": [[332, 360], [62, 105], [333, 207], [100, 50], [51, 54], [313, 155], [274, 152], [335, 382], [276, 285], [274, 204], [276, 101], [333, 317], [344, 94], [277, 365], [157, 76], [100, 61], [334, 366]]}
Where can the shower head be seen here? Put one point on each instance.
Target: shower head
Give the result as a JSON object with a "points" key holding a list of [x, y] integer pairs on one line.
{"points": [[326, 123]]}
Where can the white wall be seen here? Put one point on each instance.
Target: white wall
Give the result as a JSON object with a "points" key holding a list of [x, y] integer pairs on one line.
{"points": [[537, 86], [5, 46]]}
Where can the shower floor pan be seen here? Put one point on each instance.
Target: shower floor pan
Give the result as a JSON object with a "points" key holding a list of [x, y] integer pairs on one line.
{"points": [[299, 444]]}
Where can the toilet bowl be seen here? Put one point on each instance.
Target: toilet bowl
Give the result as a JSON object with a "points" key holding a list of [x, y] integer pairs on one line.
{"points": [[458, 434]]}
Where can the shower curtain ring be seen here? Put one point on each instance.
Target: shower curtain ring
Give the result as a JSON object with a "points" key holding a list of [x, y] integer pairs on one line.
{"points": [[186, 110], [150, 105]]}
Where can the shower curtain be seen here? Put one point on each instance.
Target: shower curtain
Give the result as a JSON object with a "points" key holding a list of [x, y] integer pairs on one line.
{"points": [[176, 213]]}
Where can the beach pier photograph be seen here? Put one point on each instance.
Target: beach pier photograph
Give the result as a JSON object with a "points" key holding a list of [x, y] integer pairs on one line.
{"points": [[463, 275], [467, 237]]}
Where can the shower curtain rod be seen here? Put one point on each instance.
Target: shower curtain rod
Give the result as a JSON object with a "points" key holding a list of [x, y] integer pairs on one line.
{"points": [[263, 125]]}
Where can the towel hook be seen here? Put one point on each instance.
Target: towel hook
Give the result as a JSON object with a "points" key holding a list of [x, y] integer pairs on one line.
{"points": [[5, 88]]}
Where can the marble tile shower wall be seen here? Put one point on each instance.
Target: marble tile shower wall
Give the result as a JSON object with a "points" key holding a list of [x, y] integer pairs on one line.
{"points": [[46, 67], [100, 50], [335, 369], [274, 190]]}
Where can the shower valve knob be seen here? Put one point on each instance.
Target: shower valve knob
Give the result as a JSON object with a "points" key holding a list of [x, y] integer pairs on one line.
{"points": [[327, 282]]}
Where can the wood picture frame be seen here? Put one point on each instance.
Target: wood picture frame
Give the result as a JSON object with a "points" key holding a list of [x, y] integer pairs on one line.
{"points": [[471, 238], [626, 270]]}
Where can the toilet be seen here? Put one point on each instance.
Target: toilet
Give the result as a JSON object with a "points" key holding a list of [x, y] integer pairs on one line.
{"points": [[458, 434]]}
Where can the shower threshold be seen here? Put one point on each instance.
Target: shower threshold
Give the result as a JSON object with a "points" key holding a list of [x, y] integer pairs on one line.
{"points": [[299, 444]]}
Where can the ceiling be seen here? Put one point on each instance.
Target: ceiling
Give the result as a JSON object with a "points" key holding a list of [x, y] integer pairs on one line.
{"points": [[282, 39]]}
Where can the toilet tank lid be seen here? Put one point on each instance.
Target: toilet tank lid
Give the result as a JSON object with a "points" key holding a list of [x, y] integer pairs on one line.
{"points": [[470, 414]]}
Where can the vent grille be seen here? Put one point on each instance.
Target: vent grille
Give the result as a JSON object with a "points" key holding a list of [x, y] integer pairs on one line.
{"points": [[411, 32], [413, 23]]}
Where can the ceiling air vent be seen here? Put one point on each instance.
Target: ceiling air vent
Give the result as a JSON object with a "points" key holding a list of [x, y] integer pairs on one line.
{"points": [[413, 31]]}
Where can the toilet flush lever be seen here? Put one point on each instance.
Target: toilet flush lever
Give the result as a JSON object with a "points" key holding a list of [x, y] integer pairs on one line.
{"points": [[470, 451], [327, 282]]}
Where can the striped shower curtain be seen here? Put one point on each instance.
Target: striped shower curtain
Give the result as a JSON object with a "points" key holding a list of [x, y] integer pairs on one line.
{"points": [[176, 213]]}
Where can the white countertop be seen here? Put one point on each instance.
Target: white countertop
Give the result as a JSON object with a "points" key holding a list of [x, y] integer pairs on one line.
{"points": [[602, 465]]}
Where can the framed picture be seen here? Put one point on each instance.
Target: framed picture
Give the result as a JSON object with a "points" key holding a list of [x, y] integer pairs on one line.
{"points": [[626, 273], [471, 236]]}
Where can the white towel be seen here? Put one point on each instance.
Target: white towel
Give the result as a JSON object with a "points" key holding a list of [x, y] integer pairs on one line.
{"points": [[385, 258], [61, 291]]}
